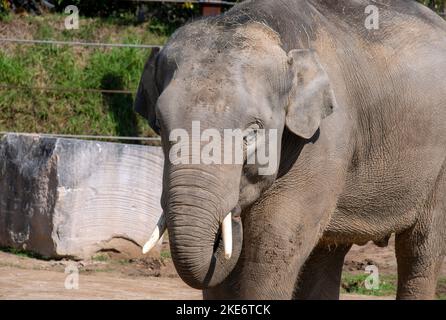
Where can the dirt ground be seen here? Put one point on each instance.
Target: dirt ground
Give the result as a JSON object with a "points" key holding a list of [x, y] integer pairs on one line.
{"points": [[112, 277], [28, 278], [370, 254]]}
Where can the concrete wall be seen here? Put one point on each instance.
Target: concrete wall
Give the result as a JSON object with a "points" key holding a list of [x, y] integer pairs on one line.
{"points": [[64, 197]]}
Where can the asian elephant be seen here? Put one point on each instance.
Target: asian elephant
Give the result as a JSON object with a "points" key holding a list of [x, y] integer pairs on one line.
{"points": [[359, 108]]}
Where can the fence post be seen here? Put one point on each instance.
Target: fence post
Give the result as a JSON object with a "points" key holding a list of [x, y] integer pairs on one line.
{"points": [[210, 9]]}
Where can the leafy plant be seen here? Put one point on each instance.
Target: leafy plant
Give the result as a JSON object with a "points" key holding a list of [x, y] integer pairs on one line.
{"points": [[32, 6], [437, 5], [97, 8]]}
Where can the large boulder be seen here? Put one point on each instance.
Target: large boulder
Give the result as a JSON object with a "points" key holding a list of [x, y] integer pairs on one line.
{"points": [[73, 198]]}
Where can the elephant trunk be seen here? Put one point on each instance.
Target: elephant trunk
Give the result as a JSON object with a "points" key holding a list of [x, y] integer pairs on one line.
{"points": [[199, 199]]}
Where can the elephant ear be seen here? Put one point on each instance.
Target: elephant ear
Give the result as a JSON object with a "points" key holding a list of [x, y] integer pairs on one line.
{"points": [[148, 93], [311, 96]]}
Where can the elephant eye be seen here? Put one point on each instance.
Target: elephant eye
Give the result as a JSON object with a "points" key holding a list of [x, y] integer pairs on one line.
{"points": [[251, 132], [249, 140]]}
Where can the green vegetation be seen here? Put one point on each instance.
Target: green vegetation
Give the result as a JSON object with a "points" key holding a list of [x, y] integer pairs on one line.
{"points": [[161, 17], [23, 253], [71, 111], [355, 284], [437, 5], [100, 257], [165, 254], [441, 289], [124, 262]]}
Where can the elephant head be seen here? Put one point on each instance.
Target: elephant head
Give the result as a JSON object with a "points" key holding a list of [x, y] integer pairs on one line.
{"points": [[224, 77]]}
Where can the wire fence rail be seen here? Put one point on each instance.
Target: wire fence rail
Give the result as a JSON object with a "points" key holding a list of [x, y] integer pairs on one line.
{"points": [[65, 89], [74, 136], [80, 43]]}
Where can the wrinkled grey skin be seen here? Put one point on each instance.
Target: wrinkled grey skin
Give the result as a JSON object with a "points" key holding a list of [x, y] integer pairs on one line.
{"points": [[362, 121]]}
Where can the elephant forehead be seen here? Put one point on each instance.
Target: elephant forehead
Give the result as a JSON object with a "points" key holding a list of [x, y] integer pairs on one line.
{"points": [[208, 41], [258, 36], [261, 44]]}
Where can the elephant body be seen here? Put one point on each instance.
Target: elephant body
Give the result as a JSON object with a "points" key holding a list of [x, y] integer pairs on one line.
{"points": [[374, 167]]}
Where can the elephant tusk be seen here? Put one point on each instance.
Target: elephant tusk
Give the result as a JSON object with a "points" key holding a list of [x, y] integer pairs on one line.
{"points": [[156, 235], [227, 235]]}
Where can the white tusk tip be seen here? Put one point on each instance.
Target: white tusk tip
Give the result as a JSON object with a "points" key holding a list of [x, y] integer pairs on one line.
{"points": [[146, 249], [156, 235], [227, 236], [150, 244]]}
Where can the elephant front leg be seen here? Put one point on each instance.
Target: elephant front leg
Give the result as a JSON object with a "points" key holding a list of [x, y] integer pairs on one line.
{"points": [[420, 250], [320, 278], [276, 250], [418, 268], [278, 238]]}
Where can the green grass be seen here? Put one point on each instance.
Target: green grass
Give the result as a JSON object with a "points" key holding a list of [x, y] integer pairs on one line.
{"points": [[165, 254], [124, 262], [66, 112], [355, 284], [5, 17], [441, 289], [95, 271], [24, 253], [101, 257]]}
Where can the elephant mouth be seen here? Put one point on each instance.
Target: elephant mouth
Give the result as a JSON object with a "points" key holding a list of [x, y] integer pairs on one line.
{"points": [[203, 217], [225, 234]]}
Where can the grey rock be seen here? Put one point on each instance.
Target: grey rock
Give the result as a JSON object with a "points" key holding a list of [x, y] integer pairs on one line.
{"points": [[73, 198]]}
